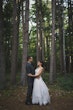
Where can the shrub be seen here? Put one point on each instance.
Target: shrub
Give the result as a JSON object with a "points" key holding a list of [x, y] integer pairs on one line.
{"points": [[66, 82]]}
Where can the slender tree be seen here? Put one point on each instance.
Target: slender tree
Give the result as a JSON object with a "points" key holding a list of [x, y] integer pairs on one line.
{"points": [[70, 30], [62, 37], [2, 59], [40, 32], [15, 38], [42, 41], [25, 40], [53, 49]]}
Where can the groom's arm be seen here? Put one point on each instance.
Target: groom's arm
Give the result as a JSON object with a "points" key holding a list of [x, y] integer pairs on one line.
{"points": [[28, 70], [38, 74]]}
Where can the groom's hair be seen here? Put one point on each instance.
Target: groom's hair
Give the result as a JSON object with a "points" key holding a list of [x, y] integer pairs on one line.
{"points": [[29, 57]]}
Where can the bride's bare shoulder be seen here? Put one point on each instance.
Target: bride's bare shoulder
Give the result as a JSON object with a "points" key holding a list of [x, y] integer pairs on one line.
{"points": [[42, 68]]}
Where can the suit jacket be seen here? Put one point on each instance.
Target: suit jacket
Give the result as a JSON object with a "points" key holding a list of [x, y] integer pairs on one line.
{"points": [[30, 69]]}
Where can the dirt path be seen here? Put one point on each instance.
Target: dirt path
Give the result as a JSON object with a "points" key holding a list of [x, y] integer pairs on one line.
{"points": [[14, 99]]}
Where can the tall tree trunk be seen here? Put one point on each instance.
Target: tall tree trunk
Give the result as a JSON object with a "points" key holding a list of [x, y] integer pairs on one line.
{"points": [[18, 23], [40, 33], [70, 19], [25, 41], [53, 49], [2, 59], [43, 46], [14, 43], [41, 30], [62, 38]]}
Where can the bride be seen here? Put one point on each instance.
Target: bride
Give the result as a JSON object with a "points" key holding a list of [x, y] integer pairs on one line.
{"points": [[40, 93]]}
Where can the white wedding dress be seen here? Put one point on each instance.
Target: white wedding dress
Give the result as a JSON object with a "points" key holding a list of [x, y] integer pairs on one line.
{"points": [[40, 93]]}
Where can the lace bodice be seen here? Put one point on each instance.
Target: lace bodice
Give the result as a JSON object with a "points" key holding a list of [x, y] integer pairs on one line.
{"points": [[36, 70]]}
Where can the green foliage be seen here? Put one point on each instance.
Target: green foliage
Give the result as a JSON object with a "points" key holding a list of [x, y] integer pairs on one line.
{"points": [[66, 82], [45, 76]]}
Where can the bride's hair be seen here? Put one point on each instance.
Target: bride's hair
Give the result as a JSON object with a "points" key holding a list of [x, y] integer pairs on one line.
{"points": [[42, 62]]}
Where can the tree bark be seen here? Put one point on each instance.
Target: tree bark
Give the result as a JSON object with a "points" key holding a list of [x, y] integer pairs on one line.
{"points": [[25, 41], [40, 32], [53, 49], [2, 59], [15, 38], [70, 19], [62, 39]]}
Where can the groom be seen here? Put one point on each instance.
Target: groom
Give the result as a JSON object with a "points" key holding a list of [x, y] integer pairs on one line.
{"points": [[29, 70]]}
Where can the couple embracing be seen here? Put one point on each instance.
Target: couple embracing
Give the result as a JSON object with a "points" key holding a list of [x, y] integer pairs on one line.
{"points": [[37, 91]]}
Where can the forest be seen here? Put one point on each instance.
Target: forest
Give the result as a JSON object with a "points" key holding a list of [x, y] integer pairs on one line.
{"points": [[42, 29]]}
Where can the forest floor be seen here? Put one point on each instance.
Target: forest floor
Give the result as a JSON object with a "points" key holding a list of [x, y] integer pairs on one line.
{"points": [[14, 99]]}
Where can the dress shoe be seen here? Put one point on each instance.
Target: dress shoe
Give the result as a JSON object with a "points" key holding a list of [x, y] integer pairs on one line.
{"points": [[28, 103]]}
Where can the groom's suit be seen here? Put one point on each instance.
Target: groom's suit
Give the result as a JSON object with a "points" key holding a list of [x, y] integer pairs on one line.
{"points": [[29, 69]]}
